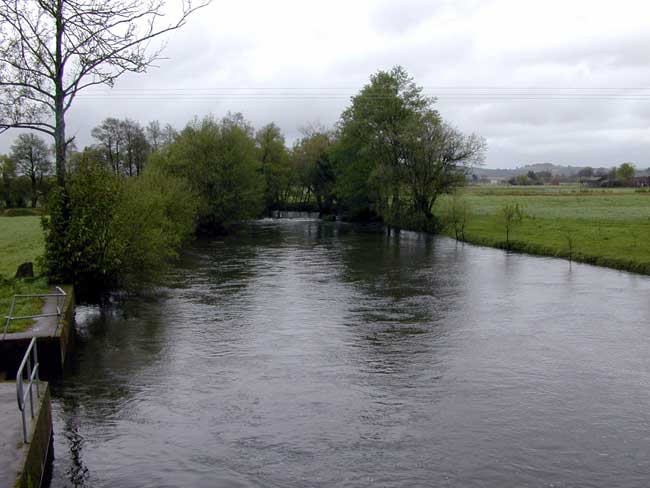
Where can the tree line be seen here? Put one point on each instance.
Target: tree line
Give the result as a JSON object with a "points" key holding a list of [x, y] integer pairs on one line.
{"points": [[137, 194], [119, 210]]}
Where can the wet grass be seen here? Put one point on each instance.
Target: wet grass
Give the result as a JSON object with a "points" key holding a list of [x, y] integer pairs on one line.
{"points": [[21, 240], [609, 227], [25, 306]]}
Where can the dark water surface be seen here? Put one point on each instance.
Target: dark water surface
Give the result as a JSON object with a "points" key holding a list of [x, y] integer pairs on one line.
{"points": [[309, 354]]}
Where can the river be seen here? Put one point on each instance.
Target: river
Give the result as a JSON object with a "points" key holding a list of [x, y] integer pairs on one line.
{"points": [[301, 353]]}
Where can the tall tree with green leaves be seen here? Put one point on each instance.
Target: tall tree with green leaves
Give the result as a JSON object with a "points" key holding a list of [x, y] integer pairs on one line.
{"points": [[372, 134], [274, 165], [219, 159], [313, 159], [396, 155], [625, 173]]}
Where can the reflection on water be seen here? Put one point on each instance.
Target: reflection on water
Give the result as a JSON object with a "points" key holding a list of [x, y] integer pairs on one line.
{"points": [[302, 353]]}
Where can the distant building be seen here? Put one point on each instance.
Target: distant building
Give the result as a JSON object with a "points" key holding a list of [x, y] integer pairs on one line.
{"points": [[641, 181], [594, 181]]}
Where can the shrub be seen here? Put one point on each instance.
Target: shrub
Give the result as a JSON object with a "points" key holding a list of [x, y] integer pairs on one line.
{"points": [[511, 215], [454, 216], [106, 232]]}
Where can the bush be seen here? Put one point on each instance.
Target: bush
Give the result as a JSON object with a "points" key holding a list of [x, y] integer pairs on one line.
{"points": [[455, 213], [21, 212], [105, 231], [510, 215]]}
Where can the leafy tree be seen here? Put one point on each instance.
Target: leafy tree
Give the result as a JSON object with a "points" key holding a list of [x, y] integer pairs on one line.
{"points": [[625, 173], [8, 174], [313, 159], [522, 180], [437, 163], [219, 159], [372, 132], [395, 153], [32, 158], [274, 159]]}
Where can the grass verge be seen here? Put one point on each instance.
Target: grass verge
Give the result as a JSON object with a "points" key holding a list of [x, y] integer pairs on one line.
{"points": [[25, 306]]}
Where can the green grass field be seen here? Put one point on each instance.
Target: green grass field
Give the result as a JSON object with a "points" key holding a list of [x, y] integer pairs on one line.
{"points": [[607, 227], [21, 240], [24, 306]]}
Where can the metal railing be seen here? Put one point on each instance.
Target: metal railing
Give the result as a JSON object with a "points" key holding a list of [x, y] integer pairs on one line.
{"points": [[60, 300], [30, 366]]}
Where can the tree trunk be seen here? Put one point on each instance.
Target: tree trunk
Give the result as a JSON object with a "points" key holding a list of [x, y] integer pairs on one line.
{"points": [[34, 194], [59, 101]]}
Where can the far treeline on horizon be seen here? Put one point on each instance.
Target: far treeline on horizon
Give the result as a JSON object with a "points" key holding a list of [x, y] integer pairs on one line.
{"points": [[116, 213]]}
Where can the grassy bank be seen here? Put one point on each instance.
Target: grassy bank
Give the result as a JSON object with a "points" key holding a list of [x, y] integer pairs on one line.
{"points": [[609, 227], [21, 240], [25, 306]]}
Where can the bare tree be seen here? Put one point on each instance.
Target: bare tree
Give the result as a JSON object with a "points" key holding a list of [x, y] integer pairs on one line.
{"points": [[50, 50], [154, 134], [169, 135], [111, 138], [136, 147], [32, 158], [511, 215]]}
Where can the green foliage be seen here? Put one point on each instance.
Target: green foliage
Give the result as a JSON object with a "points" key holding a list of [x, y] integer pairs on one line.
{"points": [[219, 159], [107, 231], [21, 212], [312, 159], [396, 156], [455, 213], [274, 166], [625, 173]]}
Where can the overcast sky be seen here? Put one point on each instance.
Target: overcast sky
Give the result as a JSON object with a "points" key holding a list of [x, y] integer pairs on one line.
{"points": [[543, 81]]}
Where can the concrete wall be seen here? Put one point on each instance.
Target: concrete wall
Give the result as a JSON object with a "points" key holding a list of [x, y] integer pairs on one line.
{"points": [[39, 451], [52, 349]]}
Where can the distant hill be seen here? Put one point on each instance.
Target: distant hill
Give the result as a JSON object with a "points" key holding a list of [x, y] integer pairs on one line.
{"points": [[555, 169]]}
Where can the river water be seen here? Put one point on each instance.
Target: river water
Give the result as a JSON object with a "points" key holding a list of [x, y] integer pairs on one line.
{"points": [[308, 354]]}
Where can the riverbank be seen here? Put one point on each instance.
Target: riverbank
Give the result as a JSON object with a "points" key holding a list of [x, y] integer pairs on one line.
{"points": [[603, 227]]}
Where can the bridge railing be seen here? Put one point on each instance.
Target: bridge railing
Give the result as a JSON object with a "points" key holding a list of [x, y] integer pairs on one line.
{"points": [[60, 300], [26, 378]]}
